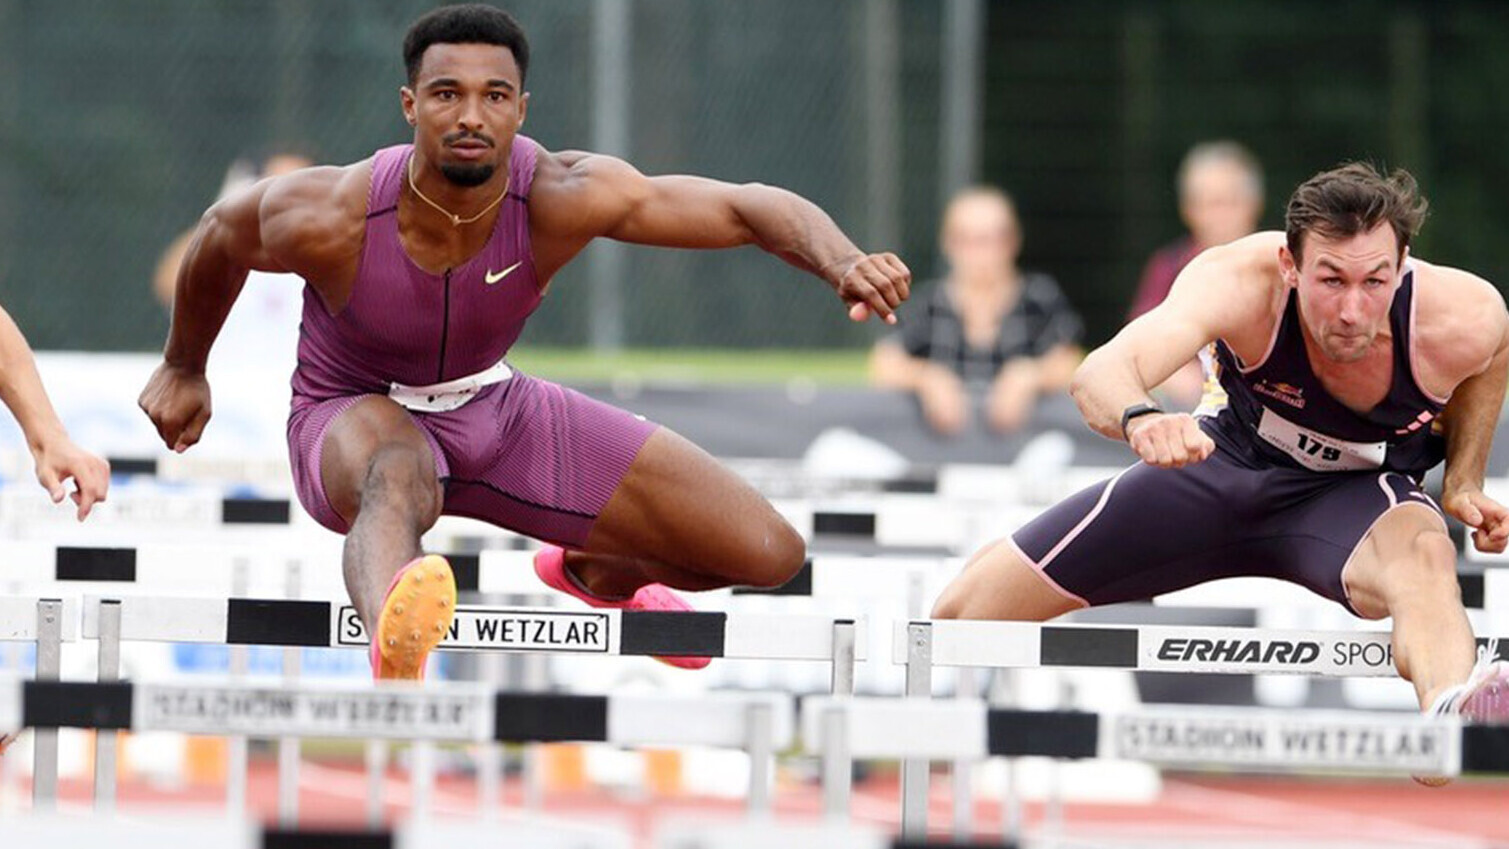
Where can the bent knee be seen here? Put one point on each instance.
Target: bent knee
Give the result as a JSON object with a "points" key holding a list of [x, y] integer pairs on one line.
{"points": [[406, 471], [781, 554], [999, 584]]}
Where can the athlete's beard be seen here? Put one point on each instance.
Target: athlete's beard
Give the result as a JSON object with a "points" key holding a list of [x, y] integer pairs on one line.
{"points": [[466, 174]]}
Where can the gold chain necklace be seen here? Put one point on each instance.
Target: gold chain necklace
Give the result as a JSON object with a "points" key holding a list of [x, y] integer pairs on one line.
{"points": [[456, 220]]}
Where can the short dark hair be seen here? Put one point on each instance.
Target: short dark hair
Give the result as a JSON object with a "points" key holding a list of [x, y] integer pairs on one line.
{"points": [[1354, 198], [470, 23]]}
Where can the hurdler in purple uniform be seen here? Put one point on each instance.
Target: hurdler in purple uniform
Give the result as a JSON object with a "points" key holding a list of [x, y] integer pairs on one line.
{"points": [[423, 263], [1350, 370]]}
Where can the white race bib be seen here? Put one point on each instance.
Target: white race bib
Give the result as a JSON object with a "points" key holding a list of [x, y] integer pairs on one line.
{"points": [[1316, 450]]}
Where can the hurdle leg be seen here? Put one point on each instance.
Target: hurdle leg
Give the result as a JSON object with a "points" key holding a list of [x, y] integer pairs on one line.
{"points": [[843, 657], [536, 680], [376, 757], [44, 787], [490, 753], [105, 740], [838, 766], [288, 747], [914, 773], [10, 658], [422, 761], [288, 754], [760, 731], [964, 800], [237, 758]]}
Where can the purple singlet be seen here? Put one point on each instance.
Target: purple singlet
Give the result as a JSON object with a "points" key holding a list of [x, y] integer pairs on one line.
{"points": [[524, 454]]}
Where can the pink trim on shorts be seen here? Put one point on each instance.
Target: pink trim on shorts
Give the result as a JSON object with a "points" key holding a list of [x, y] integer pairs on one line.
{"points": [[1393, 505], [1047, 579], [1042, 567]]}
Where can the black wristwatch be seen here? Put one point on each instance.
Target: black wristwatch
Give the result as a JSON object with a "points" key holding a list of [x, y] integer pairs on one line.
{"points": [[1132, 412]]}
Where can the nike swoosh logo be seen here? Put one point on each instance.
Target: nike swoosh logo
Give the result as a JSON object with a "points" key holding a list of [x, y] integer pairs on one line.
{"points": [[492, 277]]}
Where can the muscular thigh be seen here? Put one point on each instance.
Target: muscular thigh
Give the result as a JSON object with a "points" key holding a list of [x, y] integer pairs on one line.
{"points": [[1144, 532], [373, 425], [1331, 526], [679, 506]]}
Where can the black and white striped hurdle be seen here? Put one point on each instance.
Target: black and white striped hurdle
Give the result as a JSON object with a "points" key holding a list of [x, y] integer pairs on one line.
{"points": [[278, 622], [47, 623], [1260, 740], [756, 723], [922, 645]]}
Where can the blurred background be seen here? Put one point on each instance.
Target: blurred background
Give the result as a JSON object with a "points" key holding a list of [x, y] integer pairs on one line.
{"points": [[119, 119]]}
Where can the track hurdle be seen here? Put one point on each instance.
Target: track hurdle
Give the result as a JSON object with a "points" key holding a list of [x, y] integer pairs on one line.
{"points": [[922, 645], [836, 641], [48, 623], [1262, 740], [757, 723]]}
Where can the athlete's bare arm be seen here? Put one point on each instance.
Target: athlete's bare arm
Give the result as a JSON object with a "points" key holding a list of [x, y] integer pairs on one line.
{"points": [[1462, 340], [57, 458], [577, 197], [308, 222], [1232, 293]]}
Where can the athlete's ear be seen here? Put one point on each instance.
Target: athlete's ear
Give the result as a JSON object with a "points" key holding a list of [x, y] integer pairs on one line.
{"points": [[406, 99], [523, 109], [1287, 266]]}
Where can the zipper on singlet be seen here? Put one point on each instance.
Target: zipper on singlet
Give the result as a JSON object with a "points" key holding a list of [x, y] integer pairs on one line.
{"points": [[445, 329]]}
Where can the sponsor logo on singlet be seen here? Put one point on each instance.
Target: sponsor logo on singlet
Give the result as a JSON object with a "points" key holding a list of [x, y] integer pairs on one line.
{"points": [[1290, 394], [1317, 451]]}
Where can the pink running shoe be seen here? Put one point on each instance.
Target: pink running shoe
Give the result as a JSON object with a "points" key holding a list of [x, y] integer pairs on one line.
{"points": [[550, 565], [1484, 698]]}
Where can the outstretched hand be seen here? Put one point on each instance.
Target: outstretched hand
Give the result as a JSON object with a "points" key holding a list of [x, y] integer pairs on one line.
{"points": [[875, 284], [1488, 519], [59, 460]]}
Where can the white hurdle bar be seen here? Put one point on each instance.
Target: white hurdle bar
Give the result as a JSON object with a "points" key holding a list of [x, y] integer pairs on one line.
{"points": [[1261, 740], [920, 645], [276, 622], [51, 832], [758, 723], [47, 622]]}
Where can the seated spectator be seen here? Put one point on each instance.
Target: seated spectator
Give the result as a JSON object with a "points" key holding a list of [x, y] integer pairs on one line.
{"points": [[1220, 188], [262, 330], [990, 335]]}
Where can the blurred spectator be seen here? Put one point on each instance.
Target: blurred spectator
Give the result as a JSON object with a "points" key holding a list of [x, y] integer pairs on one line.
{"points": [[262, 330], [1220, 199], [988, 334]]}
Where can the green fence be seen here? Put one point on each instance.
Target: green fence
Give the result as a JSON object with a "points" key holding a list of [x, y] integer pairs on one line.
{"points": [[118, 119]]}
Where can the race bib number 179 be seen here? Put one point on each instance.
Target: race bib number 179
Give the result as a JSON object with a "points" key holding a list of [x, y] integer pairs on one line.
{"points": [[1316, 450]]}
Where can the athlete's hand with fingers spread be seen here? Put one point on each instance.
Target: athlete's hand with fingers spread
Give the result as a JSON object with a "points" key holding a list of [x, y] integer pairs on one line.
{"points": [[177, 400], [1169, 440], [1488, 519], [57, 460], [874, 284]]}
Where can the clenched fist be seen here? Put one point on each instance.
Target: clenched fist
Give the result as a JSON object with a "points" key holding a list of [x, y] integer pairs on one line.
{"points": [[874, 284], [1169, 440], [177, 400]]}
